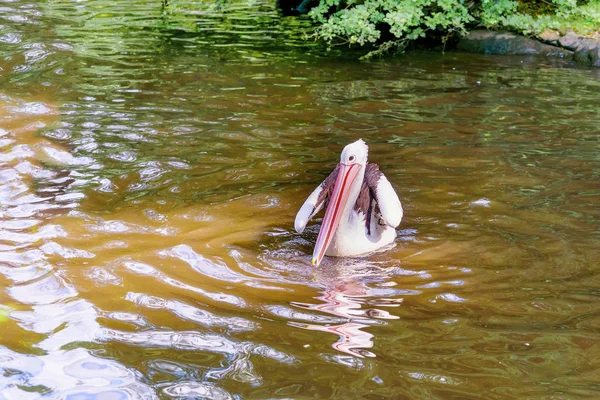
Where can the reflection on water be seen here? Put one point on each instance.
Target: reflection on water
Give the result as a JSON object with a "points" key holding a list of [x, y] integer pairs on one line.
{"points": [[344, 296], [151, 166]]}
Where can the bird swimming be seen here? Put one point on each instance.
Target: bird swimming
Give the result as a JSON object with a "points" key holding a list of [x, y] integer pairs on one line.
{"points": [[362, 208]]}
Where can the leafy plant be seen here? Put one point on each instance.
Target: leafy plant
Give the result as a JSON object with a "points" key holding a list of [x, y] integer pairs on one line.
{"points": [[404, 20], [386, 24]]}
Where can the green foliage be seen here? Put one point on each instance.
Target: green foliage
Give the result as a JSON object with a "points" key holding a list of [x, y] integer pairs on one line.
{"points": [[362, 23], [390, 23], [565, 14]]}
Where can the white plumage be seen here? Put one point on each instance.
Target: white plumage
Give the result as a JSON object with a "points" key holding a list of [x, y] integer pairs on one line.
{"points": [[362, 208]]}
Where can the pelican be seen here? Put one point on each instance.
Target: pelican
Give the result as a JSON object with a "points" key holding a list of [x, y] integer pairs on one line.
{"points": [[362, 209]]}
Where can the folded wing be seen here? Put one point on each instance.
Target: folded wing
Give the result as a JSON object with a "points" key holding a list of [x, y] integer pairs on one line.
{"points": [[316, 201], [384, 194]]}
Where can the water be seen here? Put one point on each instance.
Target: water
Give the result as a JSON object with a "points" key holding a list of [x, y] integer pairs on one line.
{"points": [[152, 164]]}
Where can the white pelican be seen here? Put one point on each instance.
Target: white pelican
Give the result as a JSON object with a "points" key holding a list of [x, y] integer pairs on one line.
{"points": [[362, 208]]}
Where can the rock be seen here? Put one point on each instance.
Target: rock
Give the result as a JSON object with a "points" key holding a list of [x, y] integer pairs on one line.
{"points": [[570, 41], [594, 57], [549, 36], [488, 42], [586, 49], [588, 52], [588, 43]]}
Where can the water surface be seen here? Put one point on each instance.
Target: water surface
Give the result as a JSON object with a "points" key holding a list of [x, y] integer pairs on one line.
{"points": [[152, 164]]}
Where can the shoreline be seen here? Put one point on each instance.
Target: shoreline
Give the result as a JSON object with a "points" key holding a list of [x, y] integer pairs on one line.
{"points": [[584, 50]]}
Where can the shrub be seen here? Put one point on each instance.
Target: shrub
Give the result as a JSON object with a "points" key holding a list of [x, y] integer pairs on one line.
{"points": [[391, 23]]}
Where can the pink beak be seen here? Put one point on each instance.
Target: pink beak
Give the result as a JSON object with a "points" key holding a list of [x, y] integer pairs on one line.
{"points": [[335, 209]]}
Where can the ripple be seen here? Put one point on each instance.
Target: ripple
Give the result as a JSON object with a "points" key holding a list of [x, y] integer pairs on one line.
{"points": [[237, 363], [131, 318], [291, 314], [31, 108], [70, 374], [202, 265], [100, 275], [352, 339], [55, 248], [48, 289], [116, 226], [66, 158], [451, 298], [36, 55], [125, 156], [55, 315], [152, 163], [188, 312], [145, 269], [481, 202], [196, 389], [11, 38]]}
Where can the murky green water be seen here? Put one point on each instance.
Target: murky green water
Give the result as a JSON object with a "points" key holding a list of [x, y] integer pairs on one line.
{"points": [[152, 164]]}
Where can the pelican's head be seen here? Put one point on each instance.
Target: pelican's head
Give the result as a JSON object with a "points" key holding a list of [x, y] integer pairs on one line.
{"points": [[355, 153]]}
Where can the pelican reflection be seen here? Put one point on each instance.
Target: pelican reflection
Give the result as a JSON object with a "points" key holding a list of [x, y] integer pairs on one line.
{"points": [[346, 294]]}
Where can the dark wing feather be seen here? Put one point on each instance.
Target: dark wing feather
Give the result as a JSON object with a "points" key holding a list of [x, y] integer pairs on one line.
{"points": [[367, 198], [327, 187]]}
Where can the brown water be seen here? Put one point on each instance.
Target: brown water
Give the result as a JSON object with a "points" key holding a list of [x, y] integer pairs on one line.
{"points": [[151, 167]]}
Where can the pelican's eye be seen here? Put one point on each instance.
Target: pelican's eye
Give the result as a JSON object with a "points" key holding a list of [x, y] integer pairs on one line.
{"points": [[352, 158]]}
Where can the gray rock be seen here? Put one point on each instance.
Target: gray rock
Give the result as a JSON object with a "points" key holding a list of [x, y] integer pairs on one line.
{"points": [[587, 49], [588, 52], [488, 42], [594, 57], [588, 43], [549, 36], [570, 41]]}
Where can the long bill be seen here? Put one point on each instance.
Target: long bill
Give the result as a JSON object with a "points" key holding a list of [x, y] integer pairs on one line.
{"points": [[337, 203]]}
